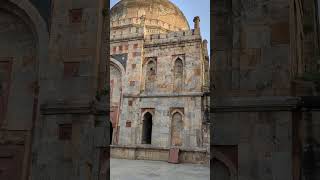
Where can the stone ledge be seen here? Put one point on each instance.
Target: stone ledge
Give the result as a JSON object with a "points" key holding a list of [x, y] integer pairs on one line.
{"points": [[141, 146], [145, 152], [197, 94], [62, 107]]}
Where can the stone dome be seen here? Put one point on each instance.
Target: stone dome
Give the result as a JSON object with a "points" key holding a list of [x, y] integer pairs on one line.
{"points": [[156, 14]]}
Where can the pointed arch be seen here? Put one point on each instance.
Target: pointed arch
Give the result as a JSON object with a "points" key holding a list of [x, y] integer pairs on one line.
{"points": [[150, 74], [176, 129], [117, 74], [222, 162], [37, 24]]}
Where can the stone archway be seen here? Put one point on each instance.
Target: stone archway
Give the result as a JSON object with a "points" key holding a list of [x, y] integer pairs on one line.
{"points": [[116, 84], [220, 171], [18, 59], [147, 128], [222, 166], [23, 47]]}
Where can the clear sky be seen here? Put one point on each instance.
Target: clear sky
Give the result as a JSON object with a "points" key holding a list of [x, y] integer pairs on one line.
{"points": [[192, 8]]}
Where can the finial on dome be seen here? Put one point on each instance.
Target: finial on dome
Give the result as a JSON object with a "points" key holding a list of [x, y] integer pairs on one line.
{"points": [[196, 21]]}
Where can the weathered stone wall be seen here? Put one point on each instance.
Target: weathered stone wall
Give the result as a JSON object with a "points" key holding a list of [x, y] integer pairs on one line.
{"points": [[72, 121], [252, 113], [18, 76]]}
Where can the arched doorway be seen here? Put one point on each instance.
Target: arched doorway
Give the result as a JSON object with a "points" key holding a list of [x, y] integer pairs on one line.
{"points": [[176, 129], [220, 171], [147, 128]]}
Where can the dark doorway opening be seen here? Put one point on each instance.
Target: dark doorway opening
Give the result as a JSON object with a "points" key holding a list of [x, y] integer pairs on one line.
{"points": [[111, 131], [147, 128]]}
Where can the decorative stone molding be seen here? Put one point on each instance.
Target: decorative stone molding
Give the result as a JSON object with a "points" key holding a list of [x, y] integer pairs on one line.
{"points": [[54, 108], [247, 104]]}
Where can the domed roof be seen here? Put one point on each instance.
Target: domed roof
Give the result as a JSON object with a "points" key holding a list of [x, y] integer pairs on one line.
{"points": [[157, 13]]}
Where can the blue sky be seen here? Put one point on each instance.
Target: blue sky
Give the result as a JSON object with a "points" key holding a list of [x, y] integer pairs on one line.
{"points": [[192, 8]]}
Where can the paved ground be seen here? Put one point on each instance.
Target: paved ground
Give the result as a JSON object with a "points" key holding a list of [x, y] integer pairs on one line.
{"points": [[156, 170]]}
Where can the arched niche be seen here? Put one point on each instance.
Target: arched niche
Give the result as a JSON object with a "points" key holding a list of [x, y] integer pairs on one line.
{"points": [[150, 75], [23, 49], [178, 70], [177, 129], [220, 171], [117, 73], [223, 168], [116, 83], [23, 57]]}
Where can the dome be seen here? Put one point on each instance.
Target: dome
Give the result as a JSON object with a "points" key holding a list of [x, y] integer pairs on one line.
{"points": [[156, 14]]}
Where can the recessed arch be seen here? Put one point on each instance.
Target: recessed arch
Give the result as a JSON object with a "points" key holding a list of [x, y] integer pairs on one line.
{"points": [[38, 25], [220, 171], [27, 52], [150, 74], [178, 69], [117, 74], [221, 159], [177, 127], [118, 65]]}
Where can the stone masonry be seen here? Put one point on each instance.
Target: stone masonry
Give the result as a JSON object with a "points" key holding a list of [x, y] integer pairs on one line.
{"points": [[265, 100], [53, 107]]}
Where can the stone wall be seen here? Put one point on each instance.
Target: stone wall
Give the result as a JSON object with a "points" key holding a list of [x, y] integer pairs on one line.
{"points": [[252, 114], [72, 122], [262, 48]]}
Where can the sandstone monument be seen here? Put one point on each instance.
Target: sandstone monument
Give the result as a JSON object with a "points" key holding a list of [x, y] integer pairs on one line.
{"points": [[159, 70]]}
